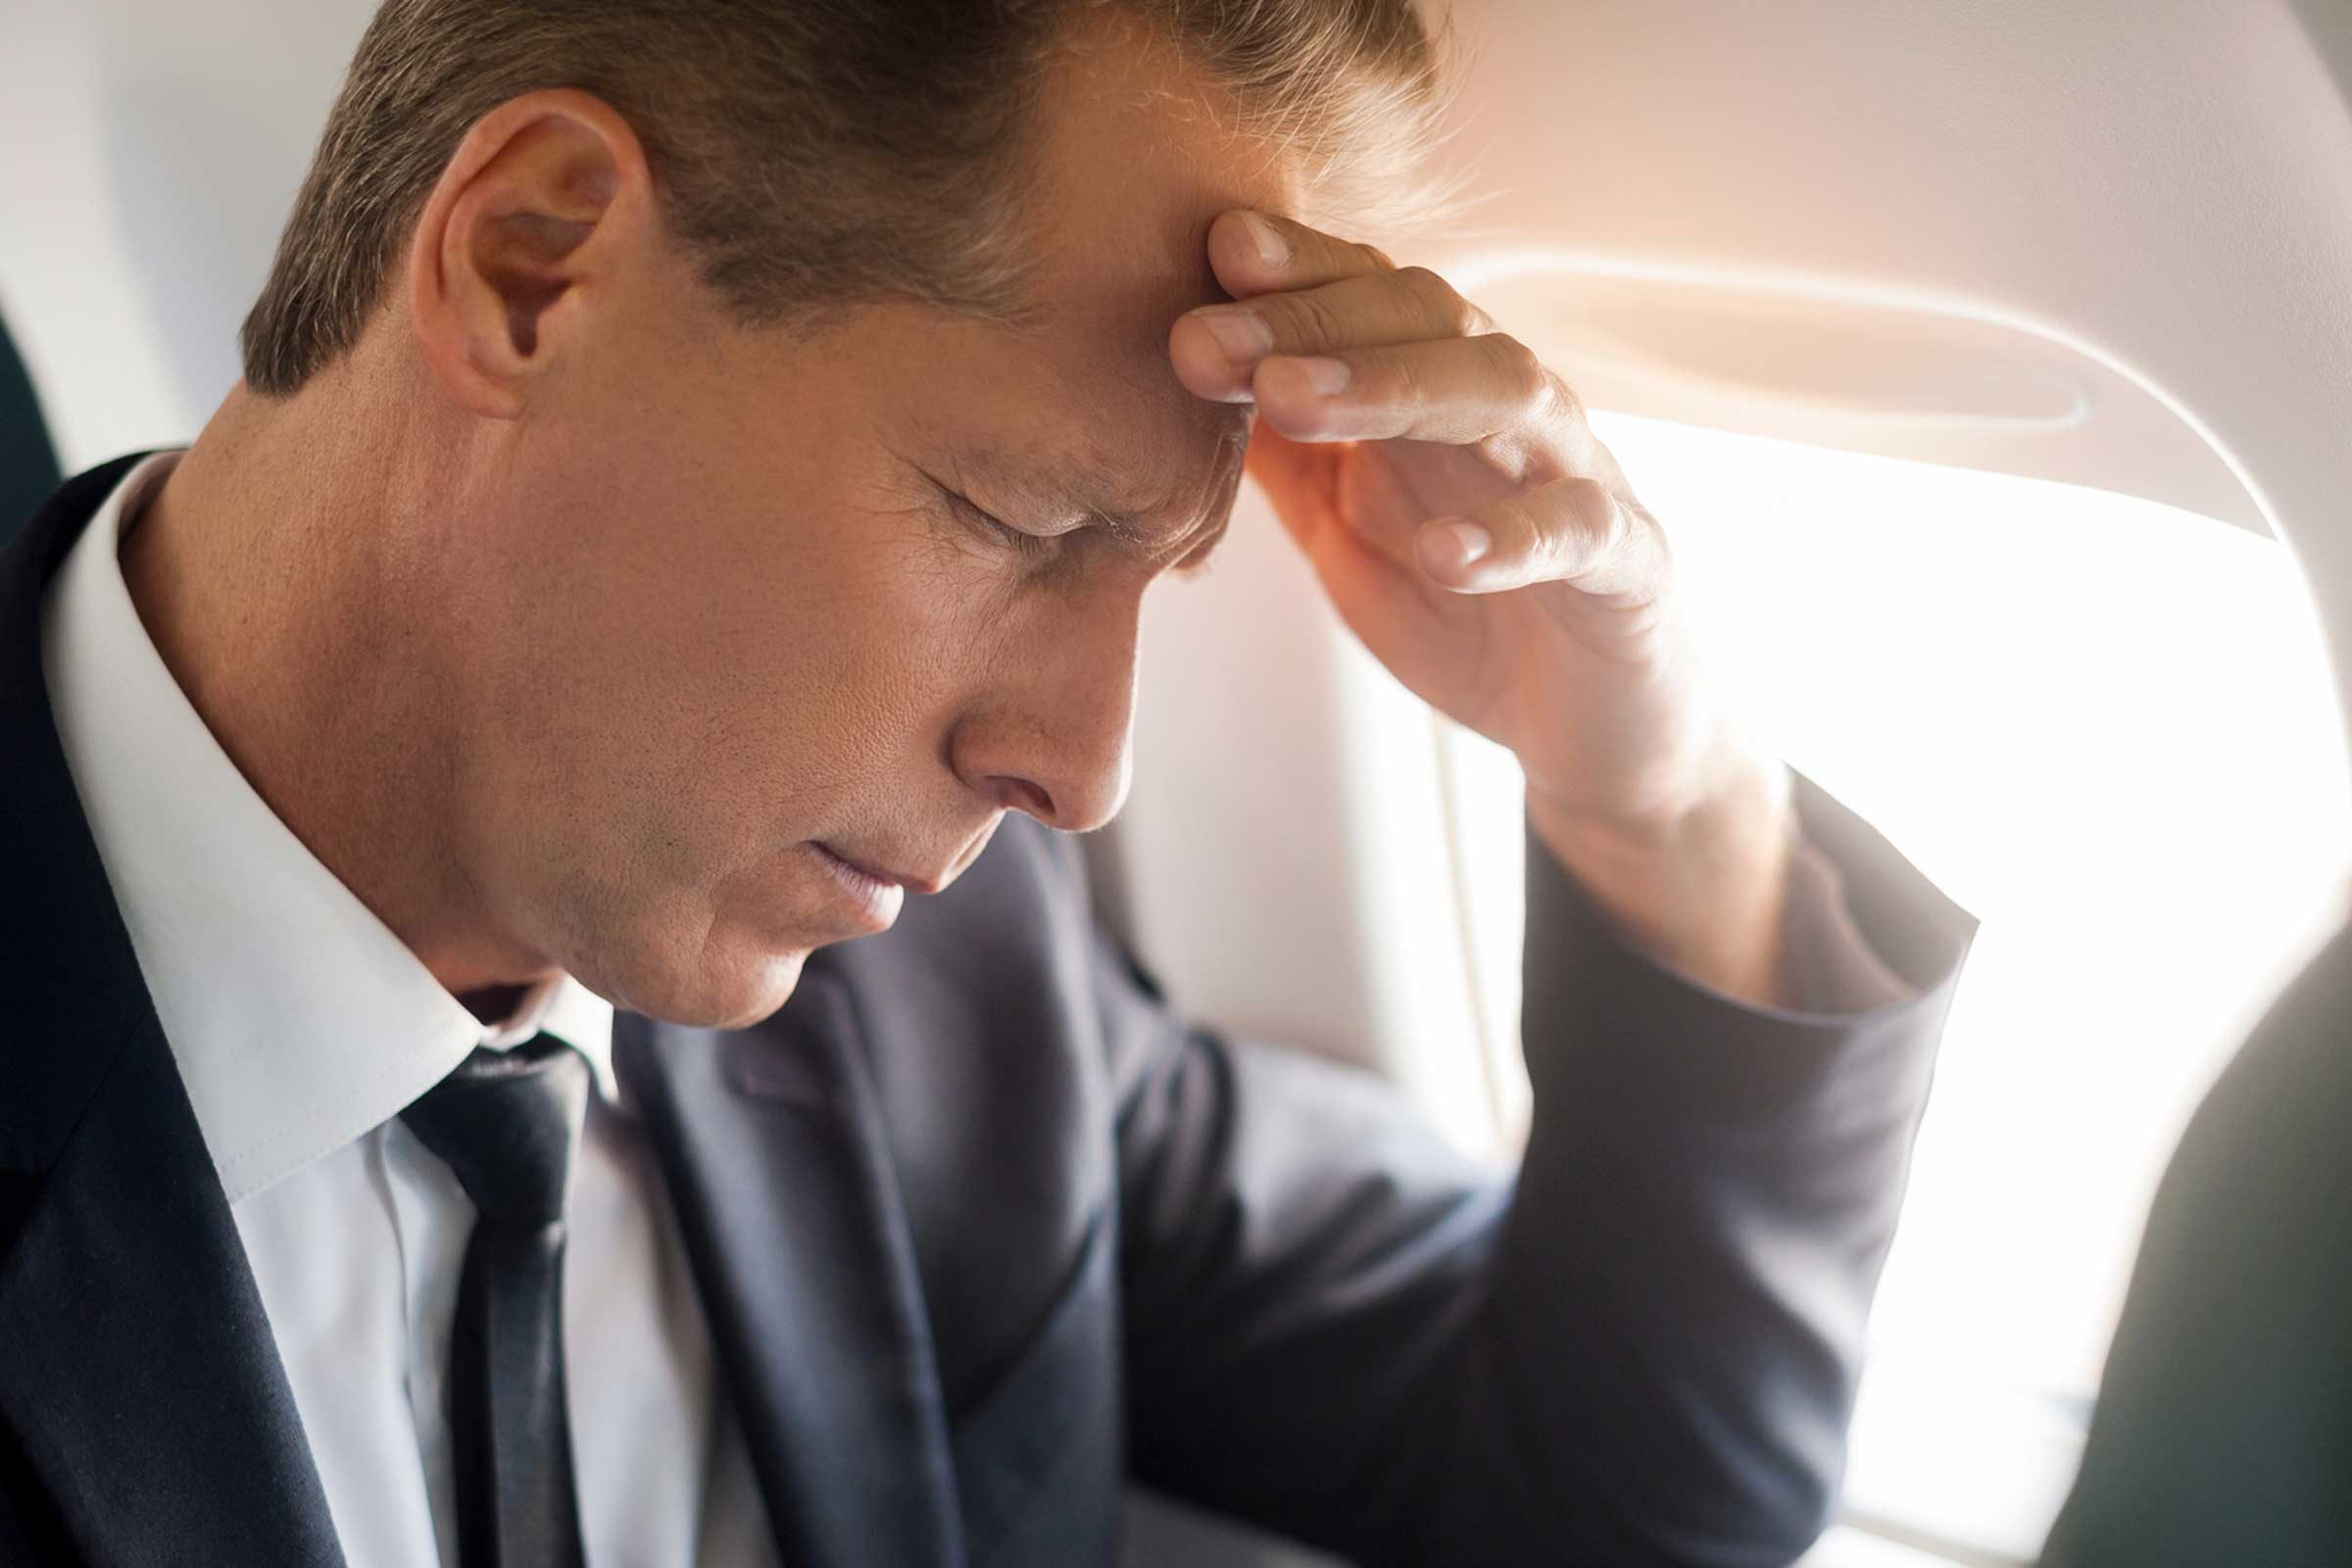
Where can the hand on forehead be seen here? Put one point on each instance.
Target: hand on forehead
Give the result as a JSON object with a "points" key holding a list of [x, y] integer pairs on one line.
{"points": [[1308, 293], [1489, 476]]}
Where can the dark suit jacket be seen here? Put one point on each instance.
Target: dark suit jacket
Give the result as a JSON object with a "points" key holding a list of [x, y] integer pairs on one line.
{"points": [[2224, 1432], [983, 1231]]}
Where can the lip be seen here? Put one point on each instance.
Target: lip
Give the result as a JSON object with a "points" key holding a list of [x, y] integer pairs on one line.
{"points": [[876, 873], [875, 896]]}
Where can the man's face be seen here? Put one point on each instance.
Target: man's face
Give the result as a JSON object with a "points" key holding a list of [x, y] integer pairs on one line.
{"points": [[752, 609]]}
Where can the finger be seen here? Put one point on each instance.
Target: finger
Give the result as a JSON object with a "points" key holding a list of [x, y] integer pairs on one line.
{"points": [[1215, 347], [1573, 531], [1381, 594], [1254, 253], [1454, 390]]}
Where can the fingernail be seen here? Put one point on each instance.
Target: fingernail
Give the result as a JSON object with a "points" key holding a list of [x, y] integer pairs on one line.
{"points": [[1326, 378], [1272, 248], [1471, 542], [1243, 335]]}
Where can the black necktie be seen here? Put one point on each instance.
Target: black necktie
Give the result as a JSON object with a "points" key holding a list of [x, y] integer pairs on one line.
{"points": [[506, 1122]]}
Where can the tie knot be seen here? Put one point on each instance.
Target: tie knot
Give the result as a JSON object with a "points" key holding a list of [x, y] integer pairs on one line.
{"points": [[506, 1123]]}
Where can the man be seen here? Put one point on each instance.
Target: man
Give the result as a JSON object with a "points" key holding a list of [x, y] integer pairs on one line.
{"points": [[694, 480]]}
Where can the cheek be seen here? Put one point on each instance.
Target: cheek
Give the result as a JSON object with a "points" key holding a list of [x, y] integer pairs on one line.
{"points": [[805, 667], [711, 670]]}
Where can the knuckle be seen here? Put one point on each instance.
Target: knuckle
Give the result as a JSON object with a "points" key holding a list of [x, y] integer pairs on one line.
{"points": [[1619, 528], [1500, 450], [1524, 380], [1402, 381], [1463, 319], [1560, 398], [1311, 323], [1446, 313], [1546, 546], [1377, 256], [1597, 519]]}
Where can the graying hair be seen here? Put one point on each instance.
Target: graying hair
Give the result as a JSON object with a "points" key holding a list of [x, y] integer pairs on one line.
{"points": [[814, 152]]}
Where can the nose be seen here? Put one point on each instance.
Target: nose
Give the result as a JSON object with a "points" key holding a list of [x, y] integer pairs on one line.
{"points": [[1054, 738]]}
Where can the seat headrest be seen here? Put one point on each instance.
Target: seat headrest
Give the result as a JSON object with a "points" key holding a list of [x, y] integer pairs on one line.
{"points": [[28, 469]]}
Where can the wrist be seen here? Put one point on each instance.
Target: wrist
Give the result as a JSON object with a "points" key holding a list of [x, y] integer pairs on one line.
{"points": [[1703, 888]]}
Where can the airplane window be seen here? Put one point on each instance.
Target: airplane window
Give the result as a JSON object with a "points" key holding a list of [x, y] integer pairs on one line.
{"points": [[2106, 727]]}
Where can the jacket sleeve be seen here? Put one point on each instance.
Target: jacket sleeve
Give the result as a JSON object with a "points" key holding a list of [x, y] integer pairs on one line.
{"points": [[1642, 1351]]}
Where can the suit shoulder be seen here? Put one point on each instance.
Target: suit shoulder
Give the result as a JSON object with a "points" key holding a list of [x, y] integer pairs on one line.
{"points": [[977, 1020]]}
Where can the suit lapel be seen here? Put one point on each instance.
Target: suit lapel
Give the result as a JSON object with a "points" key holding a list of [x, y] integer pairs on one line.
{"points": [[139, 1376], [772, 1150]]}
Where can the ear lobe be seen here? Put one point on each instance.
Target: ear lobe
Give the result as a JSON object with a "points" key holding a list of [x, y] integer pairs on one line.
{"points": [[518, 243]]}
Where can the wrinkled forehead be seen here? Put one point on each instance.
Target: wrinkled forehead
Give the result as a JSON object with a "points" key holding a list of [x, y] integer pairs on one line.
{"points": [[1137, 156], [1131, 428]]}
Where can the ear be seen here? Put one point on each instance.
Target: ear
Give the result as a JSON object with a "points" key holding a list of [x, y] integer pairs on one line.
{"points": [[543, 209]]}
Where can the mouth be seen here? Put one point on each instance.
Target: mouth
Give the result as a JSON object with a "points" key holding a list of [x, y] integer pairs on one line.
{"points": [[880, 876], [871, 899]]}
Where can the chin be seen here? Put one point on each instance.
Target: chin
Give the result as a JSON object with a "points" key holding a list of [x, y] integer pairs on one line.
{"points": [[728, 995]]}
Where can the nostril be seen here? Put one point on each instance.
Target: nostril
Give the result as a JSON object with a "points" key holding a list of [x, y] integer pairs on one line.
{"points": [[1020, 795]]}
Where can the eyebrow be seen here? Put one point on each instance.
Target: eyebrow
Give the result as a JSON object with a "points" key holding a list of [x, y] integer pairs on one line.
{"points": [[1085, 491]]}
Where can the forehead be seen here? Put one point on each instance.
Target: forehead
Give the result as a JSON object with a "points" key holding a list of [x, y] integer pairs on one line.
{"points": [[1137, 154]]}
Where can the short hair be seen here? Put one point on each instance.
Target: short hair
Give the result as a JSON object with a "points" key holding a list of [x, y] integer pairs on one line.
{"points": [[810, 152]]}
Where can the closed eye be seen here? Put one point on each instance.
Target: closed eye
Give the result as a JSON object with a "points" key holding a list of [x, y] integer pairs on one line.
{"points": [[997, 528]]}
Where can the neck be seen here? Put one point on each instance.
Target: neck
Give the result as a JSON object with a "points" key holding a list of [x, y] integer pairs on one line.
{"points": [[277, 573]]}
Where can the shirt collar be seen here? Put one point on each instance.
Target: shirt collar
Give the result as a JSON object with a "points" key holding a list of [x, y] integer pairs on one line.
{"points": [[297, 1019], [562, 1007]]}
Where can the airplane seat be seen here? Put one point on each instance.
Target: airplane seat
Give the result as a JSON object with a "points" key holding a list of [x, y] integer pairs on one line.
{"points": [[28, 460]]}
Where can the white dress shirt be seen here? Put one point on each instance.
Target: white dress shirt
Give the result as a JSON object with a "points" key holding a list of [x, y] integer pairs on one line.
{"points": [[301, 1028]]}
